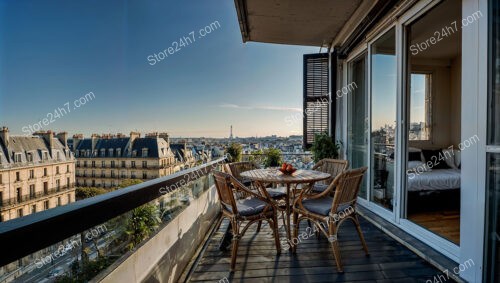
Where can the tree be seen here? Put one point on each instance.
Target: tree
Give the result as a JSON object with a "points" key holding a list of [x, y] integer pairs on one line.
{"points": [[234, 150], [88, 192], [129, 182], [272, 157], [324, 147], [141, 224]]}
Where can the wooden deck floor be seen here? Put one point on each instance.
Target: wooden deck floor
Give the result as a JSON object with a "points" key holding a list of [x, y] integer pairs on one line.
{"points": [[389, 261]]}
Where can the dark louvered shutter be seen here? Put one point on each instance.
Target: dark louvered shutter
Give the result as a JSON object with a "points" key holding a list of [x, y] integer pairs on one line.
{"points": [[316, 98]]}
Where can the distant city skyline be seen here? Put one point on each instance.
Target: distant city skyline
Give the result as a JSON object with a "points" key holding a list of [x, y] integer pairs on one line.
{"points": [[64, 50]]}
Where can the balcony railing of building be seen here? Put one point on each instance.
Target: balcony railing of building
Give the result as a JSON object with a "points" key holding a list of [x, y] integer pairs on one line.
{"points": [[5, 203], [180, 209]]}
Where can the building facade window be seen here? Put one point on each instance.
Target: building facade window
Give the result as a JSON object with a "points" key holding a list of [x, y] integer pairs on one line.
{"points": [[67, 169], [46, 188], [123, 164], [144, 164], [112, 164], [46, 205], [57, 169], [132, 164], [93, 163], [33, 209], [103, 164], [32, 174], [144, 175], [32, 191], [59, 201], [20, 212], [18, 176], [45, 172]]}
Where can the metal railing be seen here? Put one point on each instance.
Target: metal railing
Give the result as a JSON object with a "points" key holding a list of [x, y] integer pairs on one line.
{"points": [[37, 195], [69, 220]]}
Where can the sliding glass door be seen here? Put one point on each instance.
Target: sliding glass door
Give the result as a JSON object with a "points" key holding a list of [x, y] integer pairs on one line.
{"points": [[383, 119], [357, 119]]}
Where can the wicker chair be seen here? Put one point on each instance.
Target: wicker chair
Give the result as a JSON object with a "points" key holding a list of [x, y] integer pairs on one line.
{"points": [[331, 166], [236, 168], [253, 209], [329, 213]]}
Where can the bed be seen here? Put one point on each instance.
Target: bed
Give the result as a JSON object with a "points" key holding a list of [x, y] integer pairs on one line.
{"points": [[435, 180]]}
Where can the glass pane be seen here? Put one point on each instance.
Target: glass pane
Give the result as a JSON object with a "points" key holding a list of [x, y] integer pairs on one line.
{"points": [[493, 220], [494, 98], [420, 107], [383, 118], [433, 168], [357, 120]]}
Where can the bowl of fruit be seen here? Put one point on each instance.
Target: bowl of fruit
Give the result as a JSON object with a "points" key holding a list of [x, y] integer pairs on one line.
{"points": [[287, 169]]}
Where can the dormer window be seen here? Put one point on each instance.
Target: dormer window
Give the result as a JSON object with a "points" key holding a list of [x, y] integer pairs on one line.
{"points": [[134, 153], [103, 152], [58, 155], [110, 152], [118, 152], [144, 152], [30, 156], [162, 151], [45, 155], [17, 157]]}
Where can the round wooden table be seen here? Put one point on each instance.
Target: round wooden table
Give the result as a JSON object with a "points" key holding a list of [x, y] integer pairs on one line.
{"points": [[273, 175]]}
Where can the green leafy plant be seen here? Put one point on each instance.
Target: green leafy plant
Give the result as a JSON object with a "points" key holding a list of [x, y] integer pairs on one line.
{"points": [[88, 192], [142, 223], [324, 147], [129, 182], [272, 157], [234, 151]]}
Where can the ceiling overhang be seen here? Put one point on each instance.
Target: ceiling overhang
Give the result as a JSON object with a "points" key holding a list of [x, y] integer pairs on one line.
{"points": [[298, 22]]}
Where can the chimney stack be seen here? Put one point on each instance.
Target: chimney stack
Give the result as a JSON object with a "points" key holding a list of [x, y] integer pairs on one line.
{"points": [[76, 140], [133, 136], [48, 136], [94, 138], [165, 137], [63, 138], [4, 135]]}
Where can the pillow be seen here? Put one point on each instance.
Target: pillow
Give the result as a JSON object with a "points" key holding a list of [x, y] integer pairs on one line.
{"points": [[435, 159], [416, 168], [414, 156], [458, 158], [449, 157]]}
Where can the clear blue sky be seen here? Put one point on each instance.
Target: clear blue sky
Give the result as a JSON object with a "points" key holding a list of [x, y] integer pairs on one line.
{"points": [[56, 51]]}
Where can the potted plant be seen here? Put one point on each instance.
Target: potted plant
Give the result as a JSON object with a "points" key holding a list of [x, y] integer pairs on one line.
{"points": [[234, 152], [324, 147], [272, 157]]}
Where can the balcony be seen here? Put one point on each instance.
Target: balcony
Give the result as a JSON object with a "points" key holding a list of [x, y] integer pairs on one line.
{"points": [[10, 202], [185, 246]]}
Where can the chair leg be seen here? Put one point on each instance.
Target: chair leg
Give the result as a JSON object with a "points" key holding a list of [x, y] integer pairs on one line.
{"points": [[336, 248], [360, 233], [259, 225], [236, 242], [295, 231], [276, 233]]}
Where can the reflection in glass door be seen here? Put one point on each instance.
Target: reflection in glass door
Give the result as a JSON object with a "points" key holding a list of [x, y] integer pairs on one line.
{"points": [[357, 120], [383, 117]]}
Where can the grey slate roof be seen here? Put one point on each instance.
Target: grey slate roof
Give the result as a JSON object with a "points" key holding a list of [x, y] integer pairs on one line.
{"points": [[154, 146], [34, 147]]}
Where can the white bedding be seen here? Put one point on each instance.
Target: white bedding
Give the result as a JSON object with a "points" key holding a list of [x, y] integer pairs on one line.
{"points": [[437, 179]]}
